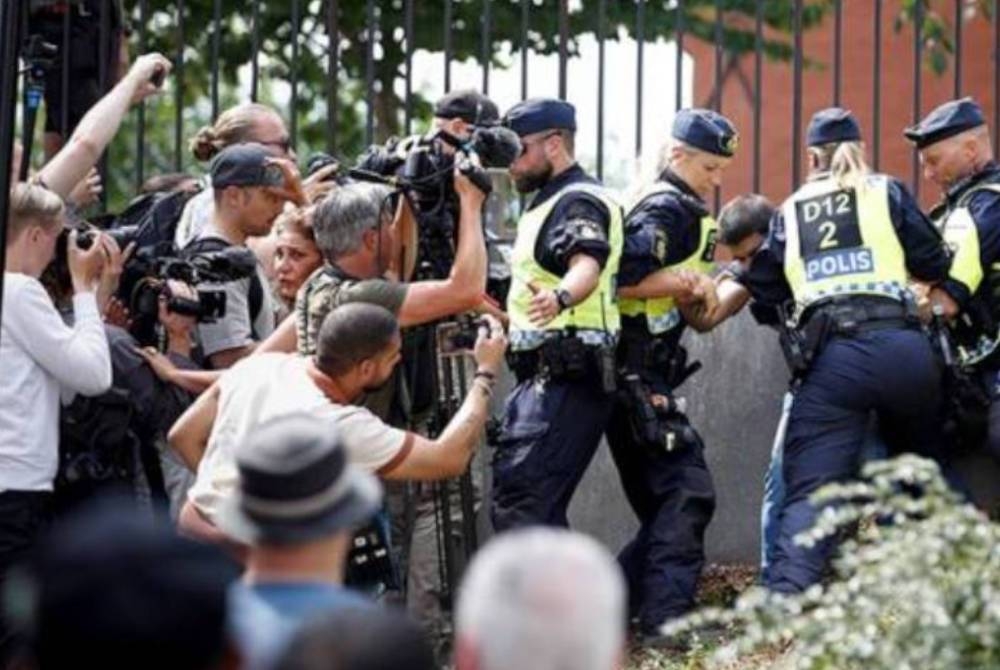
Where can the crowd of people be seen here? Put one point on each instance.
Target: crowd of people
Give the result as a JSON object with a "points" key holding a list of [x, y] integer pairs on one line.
{"points": [[258, 358]]}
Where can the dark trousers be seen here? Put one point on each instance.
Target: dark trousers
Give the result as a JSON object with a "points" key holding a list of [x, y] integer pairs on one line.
{"points": [[891, 372], [990, 379], [24, 516], [673, 496], [550, 433]]}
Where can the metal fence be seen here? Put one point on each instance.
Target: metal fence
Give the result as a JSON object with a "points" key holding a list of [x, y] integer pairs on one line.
{"points": [[720, 33]]}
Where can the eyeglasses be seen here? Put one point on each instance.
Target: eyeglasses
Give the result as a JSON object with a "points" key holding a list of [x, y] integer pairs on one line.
{"points": [[526, 145]]}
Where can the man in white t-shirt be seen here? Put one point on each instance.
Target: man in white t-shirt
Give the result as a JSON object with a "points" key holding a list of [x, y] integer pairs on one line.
{"points": [[43, 358], [357, 349]]}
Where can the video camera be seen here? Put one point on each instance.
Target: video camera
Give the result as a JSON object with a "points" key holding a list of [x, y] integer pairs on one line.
{"points": [[421, 168], [225, 265]]}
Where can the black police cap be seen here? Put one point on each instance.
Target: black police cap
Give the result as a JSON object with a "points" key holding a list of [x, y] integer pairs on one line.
{"points": [[469, 105], [244, 165], [538, 114], [706, 130], [832, 125], [944, 121]]}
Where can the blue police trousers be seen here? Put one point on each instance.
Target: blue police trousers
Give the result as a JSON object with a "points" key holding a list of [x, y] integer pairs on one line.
{"points": [[673, 496], [891, 372], [551, 430]]}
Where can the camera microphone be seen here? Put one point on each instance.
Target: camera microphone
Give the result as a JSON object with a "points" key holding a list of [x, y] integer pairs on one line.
{"points": [[496, 146], [232, 263]]}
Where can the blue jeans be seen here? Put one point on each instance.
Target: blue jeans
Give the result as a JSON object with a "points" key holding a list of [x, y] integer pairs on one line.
{"points": [[872, 449]]}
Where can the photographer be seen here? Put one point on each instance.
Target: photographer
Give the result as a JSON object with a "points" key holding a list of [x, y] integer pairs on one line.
{"points": [[43, 358], [250, 188], [357, 349]]}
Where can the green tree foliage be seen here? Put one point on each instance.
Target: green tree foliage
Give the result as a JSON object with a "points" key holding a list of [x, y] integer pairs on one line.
{"points": [[936, 20], [918, 587], [316, 128], [304, 55]]}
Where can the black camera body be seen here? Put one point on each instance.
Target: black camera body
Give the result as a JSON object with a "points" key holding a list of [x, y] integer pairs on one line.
{"points": [[421, 167]]}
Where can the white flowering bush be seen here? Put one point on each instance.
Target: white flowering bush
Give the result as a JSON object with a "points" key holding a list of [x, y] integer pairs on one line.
{"points": [[918, 587]]}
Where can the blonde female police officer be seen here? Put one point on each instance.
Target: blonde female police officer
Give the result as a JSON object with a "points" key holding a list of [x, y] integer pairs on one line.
{"points": [[658, 455], [563, 322], [840, 251]]}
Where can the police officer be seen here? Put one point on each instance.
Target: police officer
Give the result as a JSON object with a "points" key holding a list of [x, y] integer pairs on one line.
{"points": [[957, 155], [563, 322], [669, 244], [839, 251]]}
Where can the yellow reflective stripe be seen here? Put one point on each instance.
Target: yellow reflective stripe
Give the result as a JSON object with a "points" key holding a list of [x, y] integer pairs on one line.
{"points": [[661, 323]]}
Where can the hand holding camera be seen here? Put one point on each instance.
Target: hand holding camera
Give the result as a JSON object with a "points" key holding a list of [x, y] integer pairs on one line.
{"points": [[86, 265], [490, 347], [472, 183]]}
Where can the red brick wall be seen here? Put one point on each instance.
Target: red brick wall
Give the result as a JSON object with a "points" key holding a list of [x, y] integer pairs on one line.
{"points": [[857, 76]]}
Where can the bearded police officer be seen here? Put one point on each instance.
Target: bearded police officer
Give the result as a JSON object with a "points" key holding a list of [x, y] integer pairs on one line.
{"points": [[957, 155], [668, 252], [840, 250], [563, 322]]}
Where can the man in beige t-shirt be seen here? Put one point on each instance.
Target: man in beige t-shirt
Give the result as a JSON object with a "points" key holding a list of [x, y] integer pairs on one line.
{"points": [[357, 349]]}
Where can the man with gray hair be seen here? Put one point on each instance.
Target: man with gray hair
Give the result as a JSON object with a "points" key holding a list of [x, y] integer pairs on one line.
{"points": [[360, 241], [541, 599]]}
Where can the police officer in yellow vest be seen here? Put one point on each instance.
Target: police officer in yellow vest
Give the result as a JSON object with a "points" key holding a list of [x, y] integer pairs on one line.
{"points": [[563, 322], [839, 254], [956, 153], [669, 244]]}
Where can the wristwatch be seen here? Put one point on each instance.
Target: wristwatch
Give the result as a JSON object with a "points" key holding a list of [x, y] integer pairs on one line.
{"points": [[564, 298]]}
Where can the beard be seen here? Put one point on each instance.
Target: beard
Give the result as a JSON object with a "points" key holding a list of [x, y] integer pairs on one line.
{"points": [[530, 182], [376, 387]]}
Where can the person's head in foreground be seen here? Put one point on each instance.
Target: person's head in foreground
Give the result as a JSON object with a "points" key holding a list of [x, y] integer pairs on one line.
{"points": [[541, 599]]}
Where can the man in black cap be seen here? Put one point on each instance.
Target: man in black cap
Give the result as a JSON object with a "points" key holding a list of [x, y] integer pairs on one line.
{"points": [[251, 187], [460, 112], [668, 252], [298, 502], [957, 155], [563, 322], [840, 252]]}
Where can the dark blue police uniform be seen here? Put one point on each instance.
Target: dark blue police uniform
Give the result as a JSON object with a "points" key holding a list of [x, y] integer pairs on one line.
{"points": [[969, 219], [667, 483], [869, 351], [558, 411]]}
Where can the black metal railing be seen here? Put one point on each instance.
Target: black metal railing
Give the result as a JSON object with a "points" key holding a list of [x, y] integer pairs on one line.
{"points": [[298, 34]]}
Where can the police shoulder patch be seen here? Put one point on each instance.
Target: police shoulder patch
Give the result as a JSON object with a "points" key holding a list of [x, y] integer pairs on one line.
{"points": [[586, 229], [659, 244]]}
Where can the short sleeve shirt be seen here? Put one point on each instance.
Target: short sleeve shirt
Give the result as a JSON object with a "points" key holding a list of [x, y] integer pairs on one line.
{"points": [[266, 386], [238, 328]]}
